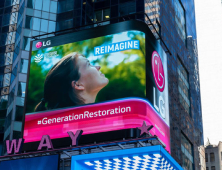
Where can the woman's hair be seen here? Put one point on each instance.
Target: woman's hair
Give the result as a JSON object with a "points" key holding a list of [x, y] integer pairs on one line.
{"points": [[58, 92]]}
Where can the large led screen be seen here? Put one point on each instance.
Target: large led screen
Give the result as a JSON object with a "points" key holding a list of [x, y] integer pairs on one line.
{"points": [[36, 163], [100, 80]]}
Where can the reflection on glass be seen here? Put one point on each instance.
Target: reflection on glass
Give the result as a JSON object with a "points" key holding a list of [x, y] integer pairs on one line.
{"points": [[127, 8], [10, 38], [5, 19], [26, 43], [106, 14], [35, 33], [7, 78], [36, 24], [21, 89], [46, 5], [24, 66], [38, 4], [30, 3], [64, 24], [3, 102], [2, 59], [29, 11], [8, 120], [27, 32], [13, 18], [45, 15], [44, 25], [98, 16], [37, 13], [65, 5], [53, 7], [187, 153], [3, 39], [180, 19], [11, 96], [1, 80], [52, 16], [52, 26]]}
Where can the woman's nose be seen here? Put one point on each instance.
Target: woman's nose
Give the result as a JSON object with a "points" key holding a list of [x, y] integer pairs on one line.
{"points": [[98, 68]]}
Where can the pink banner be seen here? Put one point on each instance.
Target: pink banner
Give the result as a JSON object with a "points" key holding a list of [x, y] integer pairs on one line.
{"points": [[101, 117]]}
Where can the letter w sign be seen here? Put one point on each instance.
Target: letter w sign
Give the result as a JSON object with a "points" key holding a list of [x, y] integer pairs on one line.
{"points": [[16, 144]]}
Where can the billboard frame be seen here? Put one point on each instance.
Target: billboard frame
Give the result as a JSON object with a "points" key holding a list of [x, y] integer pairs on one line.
{"points": [[98, 32]]}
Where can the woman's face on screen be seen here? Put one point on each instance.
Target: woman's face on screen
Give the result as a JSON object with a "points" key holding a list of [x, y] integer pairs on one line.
{"points": [[90, 76]]}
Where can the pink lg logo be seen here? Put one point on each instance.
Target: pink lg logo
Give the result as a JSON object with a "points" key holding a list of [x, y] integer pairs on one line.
{"points": [[38, 45], [158, 72]]}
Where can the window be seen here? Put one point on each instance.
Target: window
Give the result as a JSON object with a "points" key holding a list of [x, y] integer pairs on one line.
{"points": [[53, 7], [14, 72], [38, 4], [187, 153], [52, 26], [21, 89], [16, 134], [213, 168], [2, 125], [44, 25], [65, 5], [19, 113], [212, 158], [11, 96], [37, 13], [28, 22], [206, 157], [45, 15], [180, 19], [3, 114], [5, 19], [3, 39], [36, 24], [24, 66], [10, 2], [64, 24], [30, 4], [127, 8], [183, 86], [26, 43], [102, 15], [52, 16], [8, 120], [46, 5]]}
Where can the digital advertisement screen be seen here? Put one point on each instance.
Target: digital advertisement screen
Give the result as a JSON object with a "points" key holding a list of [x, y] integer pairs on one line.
{"points": [[36, 163], [114, 80]]}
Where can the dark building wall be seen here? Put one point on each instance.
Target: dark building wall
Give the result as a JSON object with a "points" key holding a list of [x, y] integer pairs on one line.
{"points": [[184, 123]]}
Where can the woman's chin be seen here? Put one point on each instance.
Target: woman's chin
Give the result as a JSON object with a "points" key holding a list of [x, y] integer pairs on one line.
{"points": [[107, 81]]}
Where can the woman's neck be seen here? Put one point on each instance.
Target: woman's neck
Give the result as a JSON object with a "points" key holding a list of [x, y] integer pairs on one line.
{"points": [[88, 98]]}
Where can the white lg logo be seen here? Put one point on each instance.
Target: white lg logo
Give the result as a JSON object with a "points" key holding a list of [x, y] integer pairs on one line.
{"points": [[47, 43]]}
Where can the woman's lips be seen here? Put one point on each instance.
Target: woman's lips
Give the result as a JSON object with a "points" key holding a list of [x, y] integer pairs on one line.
{"points": [[102, 74]]}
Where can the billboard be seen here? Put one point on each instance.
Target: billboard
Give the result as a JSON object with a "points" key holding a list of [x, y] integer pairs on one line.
{"points": [[103, 79], [36, 163]]}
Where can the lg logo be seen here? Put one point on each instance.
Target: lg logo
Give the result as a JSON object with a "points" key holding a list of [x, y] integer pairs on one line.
{"points": [[158, 71], [159, 77], [44, 44]]}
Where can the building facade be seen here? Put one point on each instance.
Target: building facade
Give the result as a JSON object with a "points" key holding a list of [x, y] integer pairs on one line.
{"points": [[213, 156], [173, 21]]}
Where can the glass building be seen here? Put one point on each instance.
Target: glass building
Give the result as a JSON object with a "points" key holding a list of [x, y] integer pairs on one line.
{"points": [[174, 20]]}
